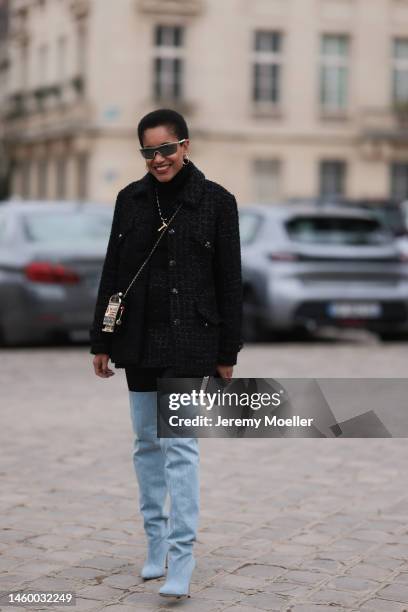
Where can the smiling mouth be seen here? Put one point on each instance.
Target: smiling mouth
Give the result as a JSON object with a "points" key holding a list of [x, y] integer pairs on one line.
{"points": [[165, 167]]}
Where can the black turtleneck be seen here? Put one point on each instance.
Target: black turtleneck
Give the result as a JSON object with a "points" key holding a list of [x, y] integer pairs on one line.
{"points": [[167, 192]]}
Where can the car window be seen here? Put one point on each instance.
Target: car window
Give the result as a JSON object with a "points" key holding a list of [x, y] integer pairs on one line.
{"points": [[392, 217], [388, 212], [249, 225], [336, 230], [67, 227], [3, 226]]}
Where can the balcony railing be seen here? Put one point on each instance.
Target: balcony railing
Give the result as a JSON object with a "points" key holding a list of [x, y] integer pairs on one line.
{"points": [[16, 106], [56, 122], [45, 98], [384, 123]]}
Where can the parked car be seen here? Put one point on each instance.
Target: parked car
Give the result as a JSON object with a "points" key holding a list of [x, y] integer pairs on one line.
{"points": [[51, 256], [310, 266]]}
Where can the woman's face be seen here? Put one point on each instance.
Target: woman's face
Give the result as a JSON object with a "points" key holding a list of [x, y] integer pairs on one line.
{"points": [[164, 168]]}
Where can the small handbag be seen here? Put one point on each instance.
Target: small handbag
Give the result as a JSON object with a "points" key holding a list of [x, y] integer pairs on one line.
{"points": [[116, 306]]}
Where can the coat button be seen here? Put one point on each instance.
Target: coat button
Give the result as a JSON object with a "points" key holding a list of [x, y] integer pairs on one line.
{"points": [[171, 230], [174, 290], [176, 321], [207, 244], [120, 235], [172, 262], [206, 324]]}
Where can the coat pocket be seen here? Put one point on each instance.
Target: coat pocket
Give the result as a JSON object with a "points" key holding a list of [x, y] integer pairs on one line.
{"points": [[207, 313], [124, 229], [204, 243], [135, 236]]}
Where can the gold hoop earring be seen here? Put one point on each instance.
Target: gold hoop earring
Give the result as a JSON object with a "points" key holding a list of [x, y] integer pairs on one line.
{"points": [[186, 161]]}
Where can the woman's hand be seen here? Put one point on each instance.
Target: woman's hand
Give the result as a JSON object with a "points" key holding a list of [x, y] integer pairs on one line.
{"points": [[100, 364], [225, 371]]}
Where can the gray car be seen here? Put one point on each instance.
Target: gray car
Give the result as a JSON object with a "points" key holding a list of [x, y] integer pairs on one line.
{"points": [[306, 267], [51, 256]]}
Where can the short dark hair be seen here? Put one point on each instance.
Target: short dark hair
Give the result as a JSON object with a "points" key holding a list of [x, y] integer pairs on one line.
{"points": [[163, 116]]}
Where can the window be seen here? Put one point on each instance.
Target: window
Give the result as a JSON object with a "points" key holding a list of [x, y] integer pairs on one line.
{"points": [[400, 71], [3, 227], [42, 70], [4, 19], [399, 181], [82, 50], [168, 62], [249, 225], [23, 68], [42, 178], [61, 59], [25, 178], [82, 162], [267, 67], [4, 76], [336, 230], [332, 178], [61, 167], [68, 227], [334, 56], [267, 179]]}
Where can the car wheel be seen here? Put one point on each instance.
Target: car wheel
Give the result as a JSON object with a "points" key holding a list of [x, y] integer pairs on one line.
{"points": [[303, 334], [390, 336], [2, 337]]}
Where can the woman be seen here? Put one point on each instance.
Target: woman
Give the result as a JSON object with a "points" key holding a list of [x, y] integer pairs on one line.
{"points": [[182, 318]]}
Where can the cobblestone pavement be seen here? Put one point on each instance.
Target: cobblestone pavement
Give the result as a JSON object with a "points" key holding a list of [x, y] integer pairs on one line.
{"points": [[286, 524]]}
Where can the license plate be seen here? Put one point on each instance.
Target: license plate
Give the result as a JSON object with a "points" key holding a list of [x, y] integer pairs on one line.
{"points": [[354, 310]]}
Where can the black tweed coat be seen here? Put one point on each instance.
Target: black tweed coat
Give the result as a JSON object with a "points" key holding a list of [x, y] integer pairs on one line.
{"points": [[204, 277]]}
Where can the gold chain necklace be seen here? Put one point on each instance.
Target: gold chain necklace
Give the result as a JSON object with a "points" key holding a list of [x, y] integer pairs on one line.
{"points": [[164, 220]]}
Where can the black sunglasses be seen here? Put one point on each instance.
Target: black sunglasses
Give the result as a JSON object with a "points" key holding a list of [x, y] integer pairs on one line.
{"points": [[169, 148]]}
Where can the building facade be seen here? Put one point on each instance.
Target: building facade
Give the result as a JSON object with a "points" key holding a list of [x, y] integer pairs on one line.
{"points": [[284, 98]]}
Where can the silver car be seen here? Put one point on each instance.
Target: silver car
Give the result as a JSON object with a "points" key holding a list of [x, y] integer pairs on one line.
{"points": [[51, 256], [310, 266]]}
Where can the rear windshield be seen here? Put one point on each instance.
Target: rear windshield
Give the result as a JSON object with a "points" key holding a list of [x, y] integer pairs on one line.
{"points": [[68, 227], [336, 230], [392, 217], [249, 224]]}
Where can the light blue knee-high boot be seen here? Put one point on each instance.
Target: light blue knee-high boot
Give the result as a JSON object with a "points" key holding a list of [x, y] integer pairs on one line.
{"points": [[182, 476], [148, 460]]}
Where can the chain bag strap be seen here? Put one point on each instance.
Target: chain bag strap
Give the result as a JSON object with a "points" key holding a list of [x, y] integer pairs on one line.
{"points": [[114, 311]]}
